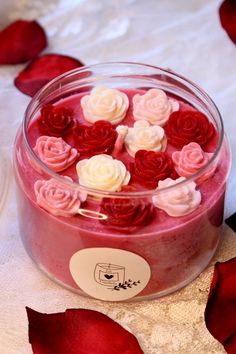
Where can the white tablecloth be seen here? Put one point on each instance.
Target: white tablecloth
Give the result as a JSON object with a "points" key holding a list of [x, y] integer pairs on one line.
{"points": [[185, 36]]}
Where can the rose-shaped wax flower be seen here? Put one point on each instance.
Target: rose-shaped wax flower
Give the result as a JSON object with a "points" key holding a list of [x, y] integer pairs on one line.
{"points": [[184, 127], [178, 201], [125, 214], [191, 159], [98, 138], [102, 172], [105, 104], [154, 106], [55, 152], [56, 121], [144, 136], [57, 198], [150, 167]]}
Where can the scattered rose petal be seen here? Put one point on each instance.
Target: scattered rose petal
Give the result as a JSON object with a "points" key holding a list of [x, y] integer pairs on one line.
{"points": [[95, 139], [126, 214], [227, 12], [184, 127], [56, 121], [149, 167], [231, 222], [79, 331], [43, 69], [21, 41], [220, 313]]}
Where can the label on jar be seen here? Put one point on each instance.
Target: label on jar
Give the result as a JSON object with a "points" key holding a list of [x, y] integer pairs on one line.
{"points": [[109, 274]]}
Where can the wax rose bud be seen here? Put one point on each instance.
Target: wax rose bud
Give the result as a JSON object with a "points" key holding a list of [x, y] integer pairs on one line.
{"points": [[144, 136], [191, 159], [149, 167], [105, 104], [125, 214], [57, 198], [154, 106], [55, 152], [102, 172], [181, 200], [184, 127], [95, 139], [122, 131]]}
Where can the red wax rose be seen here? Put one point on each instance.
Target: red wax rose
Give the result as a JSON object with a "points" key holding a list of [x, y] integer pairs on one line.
{"points": [[184, 127], [126, 214], [220, 313], [150, 167], [21, 41], [79, 331], [56, 121], [95, 139], [227, 13]]}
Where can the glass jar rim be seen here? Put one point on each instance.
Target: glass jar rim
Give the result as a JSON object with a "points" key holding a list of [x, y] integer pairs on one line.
{"points": [[124, 194]]}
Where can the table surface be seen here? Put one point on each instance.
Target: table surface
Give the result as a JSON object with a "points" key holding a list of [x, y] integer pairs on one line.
{"points": [[185, 36]]}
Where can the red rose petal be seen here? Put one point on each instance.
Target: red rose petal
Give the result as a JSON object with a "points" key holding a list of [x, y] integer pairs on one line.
{"points": [[21, 41], [227, 12], [220, 313], [79, 331], [42, 70]]}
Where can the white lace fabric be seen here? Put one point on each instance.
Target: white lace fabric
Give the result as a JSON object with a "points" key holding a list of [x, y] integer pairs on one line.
{"points": [[183, 35]]}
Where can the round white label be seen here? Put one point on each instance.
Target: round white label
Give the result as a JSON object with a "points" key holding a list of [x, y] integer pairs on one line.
{"points": [[109, 273]]}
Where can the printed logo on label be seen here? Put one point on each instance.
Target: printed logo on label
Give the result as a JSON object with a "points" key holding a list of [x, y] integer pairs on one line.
{"points": [[109, 274]]}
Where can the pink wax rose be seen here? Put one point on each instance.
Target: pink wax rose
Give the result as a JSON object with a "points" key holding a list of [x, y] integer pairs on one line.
{"points": [[58, 199], [55, 152], [191, 159], [154, 106]]}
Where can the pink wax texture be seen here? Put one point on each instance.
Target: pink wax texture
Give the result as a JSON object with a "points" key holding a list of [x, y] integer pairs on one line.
{"points": [[177, 249]]}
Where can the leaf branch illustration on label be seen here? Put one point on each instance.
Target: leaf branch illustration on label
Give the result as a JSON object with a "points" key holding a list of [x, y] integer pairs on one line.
{"points": [[126, 285]]}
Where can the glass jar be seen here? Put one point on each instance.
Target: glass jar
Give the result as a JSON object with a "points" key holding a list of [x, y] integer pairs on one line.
{"points": [[130, 259]]}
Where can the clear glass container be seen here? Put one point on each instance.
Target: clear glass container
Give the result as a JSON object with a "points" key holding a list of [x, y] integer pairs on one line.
{"points": [[120, 263], [4, 178]]}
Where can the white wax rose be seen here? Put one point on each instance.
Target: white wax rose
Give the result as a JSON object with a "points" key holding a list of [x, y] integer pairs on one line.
{"points": [[144, 136], [178, 201], [102, 172], [105, 104], [154, 106]]}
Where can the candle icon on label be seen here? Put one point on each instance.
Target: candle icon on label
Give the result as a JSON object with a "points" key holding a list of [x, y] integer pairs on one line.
{"points": [[108, 274]]}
